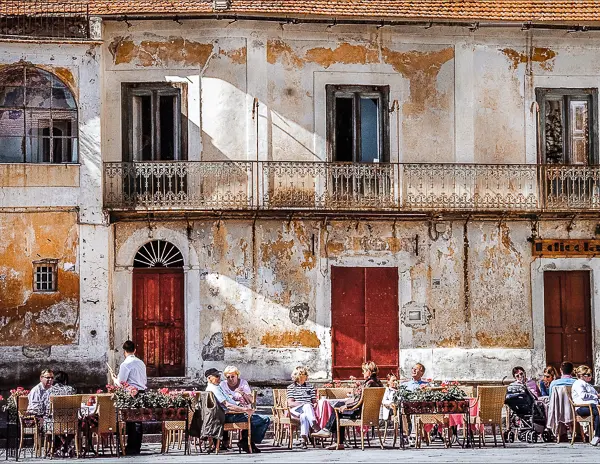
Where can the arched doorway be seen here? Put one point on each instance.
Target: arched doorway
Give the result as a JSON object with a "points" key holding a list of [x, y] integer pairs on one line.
{"points": [[158, 309]]}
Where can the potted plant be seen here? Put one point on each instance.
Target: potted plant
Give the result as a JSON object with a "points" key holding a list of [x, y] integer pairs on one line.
{"points": [[11, 403], [126, 399], [182, 402]]}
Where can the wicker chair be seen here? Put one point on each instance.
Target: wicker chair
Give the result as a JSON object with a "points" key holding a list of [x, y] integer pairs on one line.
{"points": [[28, 426], [334, 393], [282, 418], [588, 421], [174, 431], [491, 405], [369, 406], [107, 419], [63, 420]]}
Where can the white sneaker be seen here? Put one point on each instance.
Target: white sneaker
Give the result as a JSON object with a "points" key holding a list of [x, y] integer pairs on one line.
{"points": [[323, 433], [595, 441]]}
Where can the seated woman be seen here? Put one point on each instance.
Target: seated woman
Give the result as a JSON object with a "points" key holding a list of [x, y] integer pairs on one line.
{"points": [[369, 370], [235, 386], [388, 397], [237, 413], [521, 378], [582, 392], [550, 374], [302, 398]]}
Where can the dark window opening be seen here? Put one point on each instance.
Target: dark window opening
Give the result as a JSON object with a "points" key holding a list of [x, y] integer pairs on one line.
{"points": [[45, 276], [154, 123], [358, 123], [38, 118], [567, 126]]}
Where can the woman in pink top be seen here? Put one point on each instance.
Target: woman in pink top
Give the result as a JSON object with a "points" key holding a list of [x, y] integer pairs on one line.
{"points": [[235, 386]]}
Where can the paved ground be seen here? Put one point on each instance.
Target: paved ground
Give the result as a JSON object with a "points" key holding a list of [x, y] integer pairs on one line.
{"points": [[545, 453]]}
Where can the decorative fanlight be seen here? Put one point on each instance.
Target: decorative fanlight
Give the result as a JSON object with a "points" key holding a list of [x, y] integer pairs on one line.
{"points": [[158, 253]]}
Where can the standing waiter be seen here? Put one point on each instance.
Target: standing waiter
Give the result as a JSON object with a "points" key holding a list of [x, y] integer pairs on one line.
{"points": [[132, 371]]}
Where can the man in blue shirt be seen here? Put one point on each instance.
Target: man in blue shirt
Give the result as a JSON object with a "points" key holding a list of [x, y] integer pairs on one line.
{"points": [[416, 381], [566, 378]]}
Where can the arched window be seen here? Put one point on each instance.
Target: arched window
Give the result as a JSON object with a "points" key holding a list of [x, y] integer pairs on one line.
{"points": [[158, 254], [38, 117]]}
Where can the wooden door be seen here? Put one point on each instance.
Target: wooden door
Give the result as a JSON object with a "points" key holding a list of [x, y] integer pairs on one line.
{"points": [[567, 310], [158, 323], [364, 319]]}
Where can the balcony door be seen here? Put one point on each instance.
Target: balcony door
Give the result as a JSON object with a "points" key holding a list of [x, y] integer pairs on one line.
{"points": [[364, 319]]}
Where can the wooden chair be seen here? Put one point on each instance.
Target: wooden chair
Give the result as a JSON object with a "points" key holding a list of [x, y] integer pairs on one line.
{"points": [[588, 421], [63, 420], [174, 431], [421, 420], [491, 405], [107, 418], [369, 406], [28, 426], [282, 418]]}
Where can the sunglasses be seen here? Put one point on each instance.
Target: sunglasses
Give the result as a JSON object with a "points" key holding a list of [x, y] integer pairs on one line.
{"points": [[519, 374], [49, 378], [547, 376], [586, 375], [231, 376]]}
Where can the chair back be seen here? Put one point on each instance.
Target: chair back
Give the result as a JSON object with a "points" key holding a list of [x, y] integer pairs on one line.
{"points": [[334, 393], [280, 401], [491, 403], [371, 405], [253, 404], [107, 414], [22, 404], [469, 390], [65, 414]]}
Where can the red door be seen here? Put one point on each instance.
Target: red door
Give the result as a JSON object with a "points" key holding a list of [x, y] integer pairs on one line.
{"points": [[567, 310], [158, 328], [364, 319]]}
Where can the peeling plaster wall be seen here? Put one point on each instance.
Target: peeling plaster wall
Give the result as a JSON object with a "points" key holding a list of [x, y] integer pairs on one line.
{"points": [[263, 291], [55, 211]]}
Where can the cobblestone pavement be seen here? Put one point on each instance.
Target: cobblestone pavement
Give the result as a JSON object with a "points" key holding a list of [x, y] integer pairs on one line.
{"points": [[545, 453]]}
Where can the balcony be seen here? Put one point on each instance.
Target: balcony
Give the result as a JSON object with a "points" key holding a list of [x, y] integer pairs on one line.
{"points": [[319, 186]]}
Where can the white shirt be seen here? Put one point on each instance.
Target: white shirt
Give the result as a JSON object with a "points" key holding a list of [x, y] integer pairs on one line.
{"points": [[243, 386], [37, 399], [133, 371], [388, 398], [583, 393]]}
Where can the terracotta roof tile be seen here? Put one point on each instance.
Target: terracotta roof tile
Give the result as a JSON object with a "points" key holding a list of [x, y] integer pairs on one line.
{"points": [[471, 10]]}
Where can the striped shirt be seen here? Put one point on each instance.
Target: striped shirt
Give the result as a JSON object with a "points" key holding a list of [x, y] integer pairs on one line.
{"points": [[301, 393]]}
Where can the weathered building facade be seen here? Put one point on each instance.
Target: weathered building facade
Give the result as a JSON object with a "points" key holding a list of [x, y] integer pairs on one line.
{"points": [[280, 188]]}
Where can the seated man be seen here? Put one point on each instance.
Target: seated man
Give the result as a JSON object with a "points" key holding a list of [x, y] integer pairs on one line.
{"points": [[259, 423], [566, 377], [38, 394], [416, 381]]}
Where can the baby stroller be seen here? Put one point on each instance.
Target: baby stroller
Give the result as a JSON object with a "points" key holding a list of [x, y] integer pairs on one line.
{"points": [[527, 416]]}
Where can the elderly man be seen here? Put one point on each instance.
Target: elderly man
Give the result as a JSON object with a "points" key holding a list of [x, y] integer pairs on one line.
{"points": [[38, 394], [416, 381], [237, 413]]}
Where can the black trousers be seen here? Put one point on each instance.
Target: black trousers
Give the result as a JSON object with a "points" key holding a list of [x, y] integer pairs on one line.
{"points": [[134, 435], [332, 422], [585, 411]]}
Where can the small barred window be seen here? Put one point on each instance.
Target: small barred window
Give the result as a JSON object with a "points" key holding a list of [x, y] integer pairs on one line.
{"points": [[44, 277]]}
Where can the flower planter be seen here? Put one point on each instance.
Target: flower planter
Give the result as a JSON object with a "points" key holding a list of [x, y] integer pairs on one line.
{"points": [[159, 414], [170, 413], [131, 414], [182, 413]]}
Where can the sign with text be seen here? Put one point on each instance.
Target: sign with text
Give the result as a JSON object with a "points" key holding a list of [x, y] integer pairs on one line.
{"points": [[566, 248]]}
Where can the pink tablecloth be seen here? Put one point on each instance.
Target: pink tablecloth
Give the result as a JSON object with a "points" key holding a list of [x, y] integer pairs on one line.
{"points": [[323, 411], [458, 420]]}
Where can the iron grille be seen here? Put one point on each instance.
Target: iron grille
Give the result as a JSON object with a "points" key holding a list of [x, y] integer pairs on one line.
{"points": [[52, 19]]}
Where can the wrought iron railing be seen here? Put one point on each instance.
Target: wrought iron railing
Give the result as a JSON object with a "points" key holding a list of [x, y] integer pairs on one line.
{"points": [[51, 19], [385, 187]]}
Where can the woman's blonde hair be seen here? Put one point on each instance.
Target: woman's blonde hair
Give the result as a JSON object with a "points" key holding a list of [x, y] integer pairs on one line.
{"points": [[582, 370], [370, 366], [298, 371], [231, 370]]}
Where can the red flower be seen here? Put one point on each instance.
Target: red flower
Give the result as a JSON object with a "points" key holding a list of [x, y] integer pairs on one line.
{"points": [[13, 391], [20, 389], [133, 391], [99, 391], [164, 391], [1, 398]]}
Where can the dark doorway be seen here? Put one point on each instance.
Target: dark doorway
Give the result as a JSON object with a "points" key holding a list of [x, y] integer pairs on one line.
{"points": [[364, 319], [567, 311]]}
